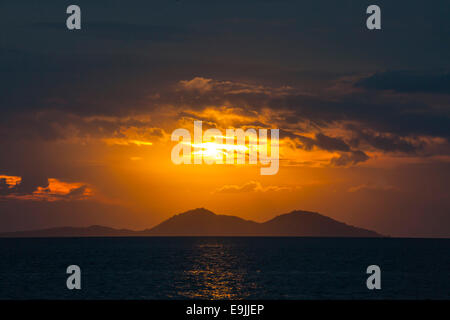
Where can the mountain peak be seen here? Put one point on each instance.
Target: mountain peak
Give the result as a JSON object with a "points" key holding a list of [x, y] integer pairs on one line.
{"points": [[197, 211], [301, 212], [294, 215], [313, 224]]}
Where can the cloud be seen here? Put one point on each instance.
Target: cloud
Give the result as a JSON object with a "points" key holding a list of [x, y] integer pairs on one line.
{"points": [[35, 188], [351, 123], [30, 183], [9, 182], [198, 84], [372, 187], [407, 81], [390, 123], [59, 126], [385, 142], [226, 116], [403, 116], [323, 142], [251, 186], [139, 136], [350, 158], [233, 88], [128, 32], [126, 142]]}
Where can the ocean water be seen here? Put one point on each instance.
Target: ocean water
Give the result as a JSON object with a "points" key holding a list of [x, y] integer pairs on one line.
{"points": [[224, 268]]}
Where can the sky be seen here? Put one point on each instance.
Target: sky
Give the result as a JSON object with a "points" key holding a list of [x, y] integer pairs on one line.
{"points": [[86, 116]]}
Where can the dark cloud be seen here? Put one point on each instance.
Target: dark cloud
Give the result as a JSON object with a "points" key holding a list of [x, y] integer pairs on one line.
{"points": [[4, 187], [350, 158], [384, 142], [30, 183], [347, 155], [27, 185], [117, 64], [407, 81], [76, 192], [398, 115], [323, 142], [116, 30]]}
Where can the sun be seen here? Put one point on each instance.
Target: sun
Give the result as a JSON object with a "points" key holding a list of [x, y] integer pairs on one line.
{"points": [[210, 150], [216, 151]]}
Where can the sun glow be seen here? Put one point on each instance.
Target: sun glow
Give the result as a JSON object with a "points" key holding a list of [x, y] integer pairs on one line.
{"points": [[209, 147], [127, 142], [216, 151]]}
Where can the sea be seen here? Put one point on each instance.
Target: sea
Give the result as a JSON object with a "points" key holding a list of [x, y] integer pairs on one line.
{"points": [[141, 268]]}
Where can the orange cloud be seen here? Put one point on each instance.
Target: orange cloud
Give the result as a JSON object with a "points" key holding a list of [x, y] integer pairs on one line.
{"points": [[126, 142], [251, 186], [372, 187], [135, 136], [11, 181], [55, 190], [204, 85]]}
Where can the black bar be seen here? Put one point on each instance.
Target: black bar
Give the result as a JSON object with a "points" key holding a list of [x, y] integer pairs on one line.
{"points": [[279, 309]]}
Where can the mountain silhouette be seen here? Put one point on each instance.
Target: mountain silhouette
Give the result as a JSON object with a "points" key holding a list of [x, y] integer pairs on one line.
{"points": [[91, 231], [202, 222]]}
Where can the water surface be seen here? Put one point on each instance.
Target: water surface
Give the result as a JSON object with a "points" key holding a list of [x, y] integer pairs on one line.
{"points": [[224, 268]]}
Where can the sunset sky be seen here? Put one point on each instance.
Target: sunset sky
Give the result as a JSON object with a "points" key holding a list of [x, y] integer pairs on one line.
{"points": [[86, 116]]}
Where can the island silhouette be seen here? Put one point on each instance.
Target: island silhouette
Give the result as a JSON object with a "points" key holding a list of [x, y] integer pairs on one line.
{"points": [[202, 222]]}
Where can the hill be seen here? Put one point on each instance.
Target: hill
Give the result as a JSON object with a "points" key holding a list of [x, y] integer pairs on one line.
{"points": [[202, 222]]}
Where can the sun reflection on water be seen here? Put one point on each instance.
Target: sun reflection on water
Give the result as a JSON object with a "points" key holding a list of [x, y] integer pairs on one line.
{"points": [[215, 271]]}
